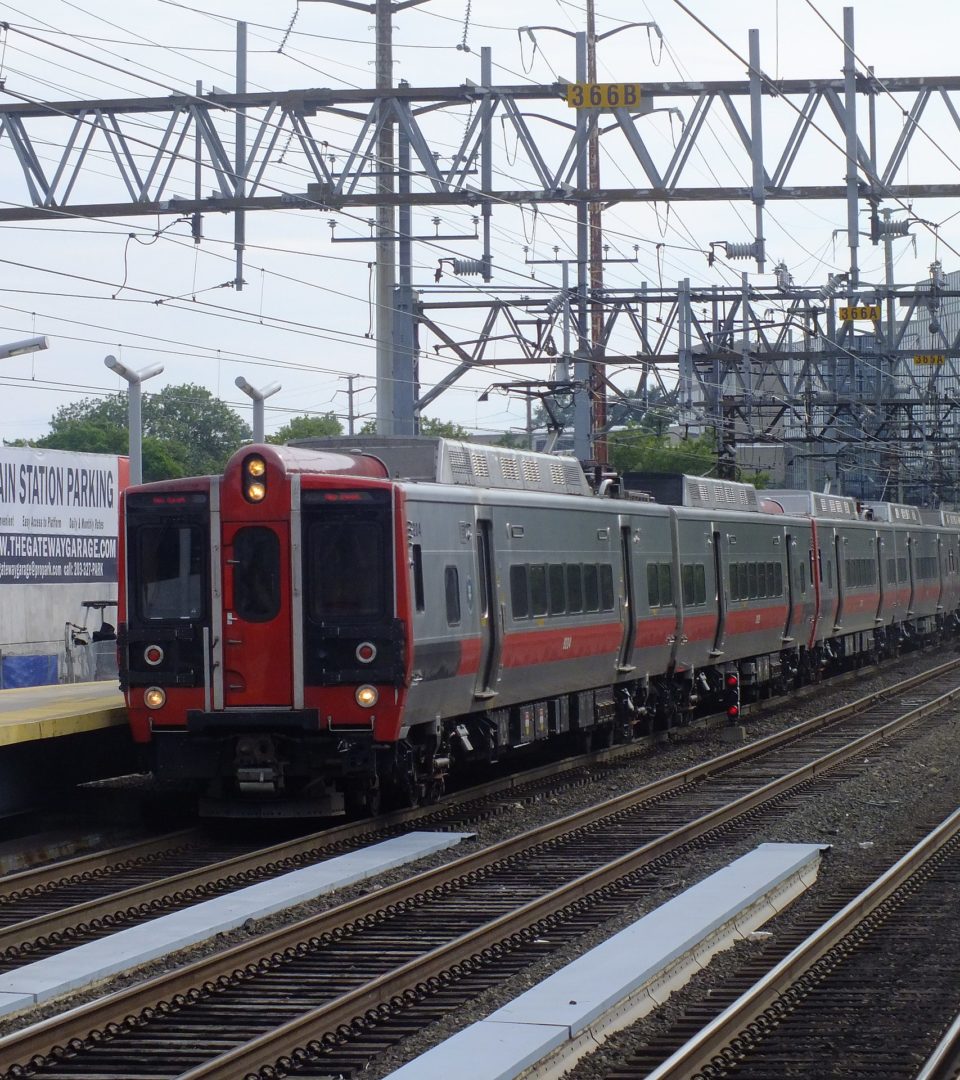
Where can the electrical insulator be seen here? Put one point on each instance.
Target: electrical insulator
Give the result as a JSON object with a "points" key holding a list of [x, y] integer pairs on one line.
{"points": [[731, 695], [832, 287], [895, 228], [467, 267], [742, 251]]}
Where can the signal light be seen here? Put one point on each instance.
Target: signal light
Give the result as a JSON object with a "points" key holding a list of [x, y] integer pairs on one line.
{"points": [[731, 695]]}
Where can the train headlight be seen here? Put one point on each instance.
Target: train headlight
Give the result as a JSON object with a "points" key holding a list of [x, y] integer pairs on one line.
{"points": [[367, 696], [254, 478], [153, 655], [154, 697]]}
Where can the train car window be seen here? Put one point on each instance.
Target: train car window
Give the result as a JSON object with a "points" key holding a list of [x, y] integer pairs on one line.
{"points": [[519, 600], [686, 583], [700, 582], [829, 574], [762, 580], [803, 577], [170, 569], [591, 588], [752, 583], [256, 574], [418, 595], [538, 590], [558, 593], [347, 568], [653, 585], [734, 582], [574, 588], [777, 579], [451, 589], [666, 584], [902, 570], [606, 588]]}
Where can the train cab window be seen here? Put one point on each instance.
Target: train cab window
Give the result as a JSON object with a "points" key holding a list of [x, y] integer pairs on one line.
{"points": [[558, 596], [417, 563], [451, 590], [347, 570], [902, 570], [803, 577], [256, 574], [170, 561], [892, 571], [829, 574], [519, 600], [606, 588], [591, 588], [538, 590], [574, 588]]}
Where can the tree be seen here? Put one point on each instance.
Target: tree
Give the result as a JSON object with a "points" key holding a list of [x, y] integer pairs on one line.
{"points": [[635, 449], [307, 427], [186, 430], [442, 428]]}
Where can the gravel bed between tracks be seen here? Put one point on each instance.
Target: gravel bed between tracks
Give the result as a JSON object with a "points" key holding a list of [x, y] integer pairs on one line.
{"points": [[863, 811]]}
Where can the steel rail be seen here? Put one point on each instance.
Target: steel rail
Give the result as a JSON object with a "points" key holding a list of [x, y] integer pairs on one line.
{"points": [[717, 1035], [944, 1062], [340, 1013]]}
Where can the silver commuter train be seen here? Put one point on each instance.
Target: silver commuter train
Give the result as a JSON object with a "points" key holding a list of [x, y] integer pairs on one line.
{"points": [[437, 603]]}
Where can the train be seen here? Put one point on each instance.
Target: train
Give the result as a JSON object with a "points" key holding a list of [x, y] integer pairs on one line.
{"points": [[337, 626]]}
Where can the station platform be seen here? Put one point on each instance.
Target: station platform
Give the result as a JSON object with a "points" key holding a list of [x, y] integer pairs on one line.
{"points": [[54, 737], [50, 712]]}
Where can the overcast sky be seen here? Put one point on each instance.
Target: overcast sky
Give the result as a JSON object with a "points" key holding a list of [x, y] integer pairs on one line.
{"points": [[305, 317]]}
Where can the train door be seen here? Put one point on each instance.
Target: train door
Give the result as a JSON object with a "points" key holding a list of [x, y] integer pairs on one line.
{"points": [[257, 630], [721, 580], [879, 614], [491, 638], [838, 542], [792, 588], [911, 578], [627, 606]]}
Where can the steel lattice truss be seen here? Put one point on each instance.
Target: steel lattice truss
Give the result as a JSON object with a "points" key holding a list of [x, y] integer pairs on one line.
{"points": [[318, 147]]}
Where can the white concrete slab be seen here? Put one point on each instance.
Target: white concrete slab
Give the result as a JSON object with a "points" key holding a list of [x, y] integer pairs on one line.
{"points": [[86, 964], [625, 976]]}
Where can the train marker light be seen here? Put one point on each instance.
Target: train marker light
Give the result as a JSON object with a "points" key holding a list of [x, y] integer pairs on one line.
{"points": [[366, 652], [256, 466], [254, 479], [154, 697], [153, 655], [367, 696], [256, 491]]}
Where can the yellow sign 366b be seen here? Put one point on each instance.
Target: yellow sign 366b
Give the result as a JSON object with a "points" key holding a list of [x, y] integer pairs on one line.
{"points": [[603, 95]]}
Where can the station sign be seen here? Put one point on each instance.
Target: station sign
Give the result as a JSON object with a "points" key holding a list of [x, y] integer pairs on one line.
{"points": [[861, 312], [58, 516], [929, 359], [603, 95]]}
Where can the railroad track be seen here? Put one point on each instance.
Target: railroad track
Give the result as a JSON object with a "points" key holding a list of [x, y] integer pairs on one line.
{"points": [[330, 992], [48, 909], [869, 990]]}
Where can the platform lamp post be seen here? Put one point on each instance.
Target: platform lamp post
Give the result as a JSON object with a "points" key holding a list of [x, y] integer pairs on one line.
{"points": [[258, 397], [28, 345], [134, 379]]}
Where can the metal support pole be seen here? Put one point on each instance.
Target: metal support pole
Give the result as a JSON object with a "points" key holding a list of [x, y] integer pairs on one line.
{"points": [[386, 230], [258, 397], [850, 128], [756, 144], [240, 157], [598, 386], [486, 163], [196, 221], [134, 380], [582, 433], [404, 379]]}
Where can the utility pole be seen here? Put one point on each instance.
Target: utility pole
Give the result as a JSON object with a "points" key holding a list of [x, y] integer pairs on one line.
{"points": [[351, 413], [598, 385]]}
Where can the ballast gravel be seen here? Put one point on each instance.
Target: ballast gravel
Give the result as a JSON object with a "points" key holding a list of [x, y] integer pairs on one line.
{"points": [[869, 819]]}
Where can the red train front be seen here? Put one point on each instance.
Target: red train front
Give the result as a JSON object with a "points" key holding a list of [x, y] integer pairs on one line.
{"points": [[263, 640]]}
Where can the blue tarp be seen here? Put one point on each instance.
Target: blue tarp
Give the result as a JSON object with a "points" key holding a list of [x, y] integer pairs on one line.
{"points": [[27, 671]]}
